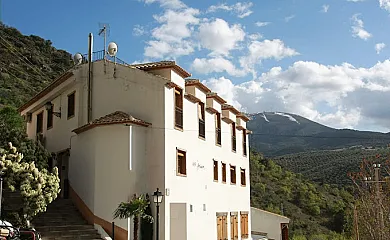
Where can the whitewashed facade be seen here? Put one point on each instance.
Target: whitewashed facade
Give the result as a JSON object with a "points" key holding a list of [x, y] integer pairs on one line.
{"points": [[136, 144]]}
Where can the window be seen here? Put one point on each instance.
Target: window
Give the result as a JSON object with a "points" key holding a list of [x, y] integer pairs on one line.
{"points": [[222, 227], [50, 117], [179, 108], [181, 163], [232, 174], [40, 122], [218, 128], [233, 136], [71, 106], [215, 170], [243, 177], [233, 227], [202, 125], [244, 225], [244, 141], [224, 172]]}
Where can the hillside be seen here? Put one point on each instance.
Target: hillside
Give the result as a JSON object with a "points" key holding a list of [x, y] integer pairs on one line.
{"points": [[313, 209], [27, 65], [329, 167], [276, 134]]}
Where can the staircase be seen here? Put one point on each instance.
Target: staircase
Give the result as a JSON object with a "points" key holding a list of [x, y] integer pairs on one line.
{"points": [[62, 221]]}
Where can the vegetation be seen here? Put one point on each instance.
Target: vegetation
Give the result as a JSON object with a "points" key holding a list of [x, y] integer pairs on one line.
{"points": [[313, 209], [137, 209], [280, 136], [25, 172], [329, 167], [27, 65]]}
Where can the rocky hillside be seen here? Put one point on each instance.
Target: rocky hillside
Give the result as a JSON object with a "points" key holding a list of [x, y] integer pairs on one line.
{"points": [[276, 134], [27, 64]]}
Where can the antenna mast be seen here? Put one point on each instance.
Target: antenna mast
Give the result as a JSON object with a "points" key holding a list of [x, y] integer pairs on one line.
{"points": [[104, 29]]}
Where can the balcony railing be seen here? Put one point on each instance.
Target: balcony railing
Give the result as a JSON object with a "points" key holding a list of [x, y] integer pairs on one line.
{"points": [[178, 117], [244, 147], [99, 55], [202, 128], [234, 143], [218, 135]]}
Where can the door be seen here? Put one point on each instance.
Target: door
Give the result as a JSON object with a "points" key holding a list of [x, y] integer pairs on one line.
{"points": [[63, 168]]}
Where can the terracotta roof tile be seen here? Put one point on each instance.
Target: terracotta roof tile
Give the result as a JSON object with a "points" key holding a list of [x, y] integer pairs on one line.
{"points": [[117, 117], [215, 96], [197, 83], [162, 64], [230, 107]]}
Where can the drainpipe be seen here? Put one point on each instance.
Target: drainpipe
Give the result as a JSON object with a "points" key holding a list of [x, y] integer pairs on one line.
{"points": [[90, 49]]}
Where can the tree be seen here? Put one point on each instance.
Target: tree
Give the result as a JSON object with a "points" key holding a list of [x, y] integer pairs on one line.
{"points": [[372, 194], [135, 208], [146, 225], [37, 187]]}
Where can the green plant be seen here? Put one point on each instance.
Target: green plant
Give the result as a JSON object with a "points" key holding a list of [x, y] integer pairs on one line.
{"points": [[135, 208]]}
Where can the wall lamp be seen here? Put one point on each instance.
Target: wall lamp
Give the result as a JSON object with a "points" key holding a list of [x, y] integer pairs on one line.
{"points": [[49, 108]]}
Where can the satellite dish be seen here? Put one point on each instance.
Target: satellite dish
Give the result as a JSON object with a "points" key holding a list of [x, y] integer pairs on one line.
{"points": [[77, 59], [112, 49]]}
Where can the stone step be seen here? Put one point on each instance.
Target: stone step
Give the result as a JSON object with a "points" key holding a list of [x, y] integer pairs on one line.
{"points": [[68, 232], [58, 223], [63, 228], [80, 237]]}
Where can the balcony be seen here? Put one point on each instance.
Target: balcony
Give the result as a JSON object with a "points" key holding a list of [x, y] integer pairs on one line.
{"points": [[218, 135], [234, 147], [178, 117], [202, 128]]}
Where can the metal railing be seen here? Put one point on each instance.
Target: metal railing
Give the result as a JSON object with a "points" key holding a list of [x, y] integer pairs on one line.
{"points": [[202, 128], [218, 135], [234, 147], [99, 55], [178, 117]]}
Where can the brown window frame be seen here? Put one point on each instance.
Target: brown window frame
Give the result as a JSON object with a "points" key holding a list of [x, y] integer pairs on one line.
{"points": [[244, 225], [40, 128], [233, 174], [71, 110], [234, 139], [178, 108], [223, 166], [243, 177], [215, 170], [244, 143], [179, 162], [49, 118], [218, 134], [202, 120]]}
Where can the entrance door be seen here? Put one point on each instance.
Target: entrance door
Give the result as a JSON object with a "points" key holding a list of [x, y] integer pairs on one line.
{"points": [[63, 166]]}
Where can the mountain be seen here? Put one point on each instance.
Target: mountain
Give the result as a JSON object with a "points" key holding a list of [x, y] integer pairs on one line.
{"points": [[27, 65], [276, 133]]}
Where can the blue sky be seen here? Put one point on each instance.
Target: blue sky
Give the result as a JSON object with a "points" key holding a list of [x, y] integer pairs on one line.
{"points": [[325, 60]]}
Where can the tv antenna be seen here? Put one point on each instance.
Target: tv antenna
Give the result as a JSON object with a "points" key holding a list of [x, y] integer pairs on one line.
{"points": [[104, 30]]}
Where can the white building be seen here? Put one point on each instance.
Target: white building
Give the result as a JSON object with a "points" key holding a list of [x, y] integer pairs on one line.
{"points": [[149, 128]]}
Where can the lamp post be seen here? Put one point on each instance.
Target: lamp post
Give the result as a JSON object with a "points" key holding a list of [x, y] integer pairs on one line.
{"points": [[157, 199]]}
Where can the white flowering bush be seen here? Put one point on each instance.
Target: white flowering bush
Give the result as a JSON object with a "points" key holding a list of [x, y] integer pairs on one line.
{"points": [[37, 187]]}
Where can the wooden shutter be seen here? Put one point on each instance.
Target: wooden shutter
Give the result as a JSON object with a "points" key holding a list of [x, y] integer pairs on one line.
{"points": [[244, 226], [236, 227], [224, 228], [219, 228]]}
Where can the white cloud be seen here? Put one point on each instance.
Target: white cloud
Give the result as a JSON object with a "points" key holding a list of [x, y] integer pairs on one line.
{"points": [[173, 4], [267, 49], [288, 18], [358, 28], [173, 37], [262, 24], [379, 47], [241, 9], [385, 4], [353, 97], [255, 36], [138, 30], [219, 37], [325, 8], [218, 64]]}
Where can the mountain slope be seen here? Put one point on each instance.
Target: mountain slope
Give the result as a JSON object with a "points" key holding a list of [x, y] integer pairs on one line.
{"points": [[277, 134], [27, 65]]}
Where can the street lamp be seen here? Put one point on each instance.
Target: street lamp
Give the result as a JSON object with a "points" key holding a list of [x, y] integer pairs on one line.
{"points": [[49, 107], [157, 199]]}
